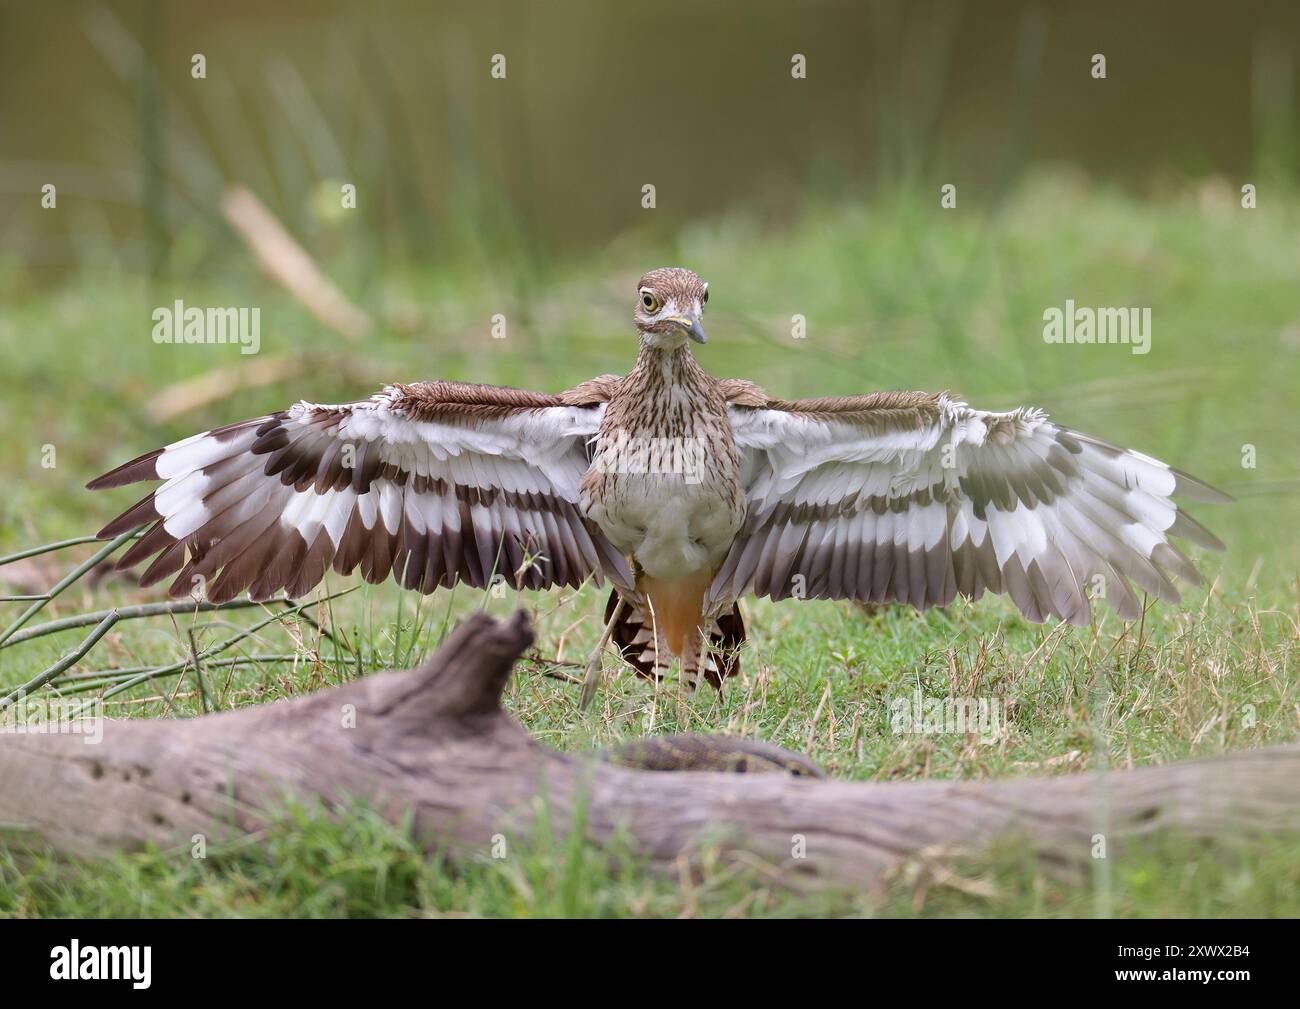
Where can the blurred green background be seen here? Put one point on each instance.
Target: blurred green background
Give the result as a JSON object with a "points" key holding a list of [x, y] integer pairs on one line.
{"points": [[599, 99], [523, 196]]}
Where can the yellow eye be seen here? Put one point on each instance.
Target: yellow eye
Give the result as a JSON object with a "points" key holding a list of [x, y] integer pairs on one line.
{"points": [[650, 302]]}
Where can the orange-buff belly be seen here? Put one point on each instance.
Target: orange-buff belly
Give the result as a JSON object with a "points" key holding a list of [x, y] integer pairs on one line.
{"points": [[678, 605]]}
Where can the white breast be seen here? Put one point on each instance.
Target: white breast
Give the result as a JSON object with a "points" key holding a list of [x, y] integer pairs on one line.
{"points": [[671, 526]]}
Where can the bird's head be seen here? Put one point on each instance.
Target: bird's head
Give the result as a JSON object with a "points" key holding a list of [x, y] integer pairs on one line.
{"points": [[669, 305]]}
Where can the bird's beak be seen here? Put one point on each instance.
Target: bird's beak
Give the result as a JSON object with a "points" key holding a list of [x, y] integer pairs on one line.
{"points": [[693, 328]]}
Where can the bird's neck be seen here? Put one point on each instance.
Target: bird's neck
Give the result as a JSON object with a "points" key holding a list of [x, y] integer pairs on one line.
{"points": [[663, 367]]}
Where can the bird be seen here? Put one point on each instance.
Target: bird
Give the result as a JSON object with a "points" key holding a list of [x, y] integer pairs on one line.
{"points": [[684, 491]]}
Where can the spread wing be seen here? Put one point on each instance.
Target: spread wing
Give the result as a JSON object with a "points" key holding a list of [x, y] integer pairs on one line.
{"points": [[436, 482], [916, 497]]}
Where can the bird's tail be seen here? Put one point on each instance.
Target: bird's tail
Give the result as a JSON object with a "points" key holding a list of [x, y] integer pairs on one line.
{"points": [[644, 646]]}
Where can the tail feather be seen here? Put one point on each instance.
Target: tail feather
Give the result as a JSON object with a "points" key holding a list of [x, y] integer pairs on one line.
{"points": [[645, 648]]}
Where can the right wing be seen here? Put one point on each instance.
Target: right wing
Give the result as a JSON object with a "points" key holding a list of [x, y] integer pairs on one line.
{"points": [[435, 482]]}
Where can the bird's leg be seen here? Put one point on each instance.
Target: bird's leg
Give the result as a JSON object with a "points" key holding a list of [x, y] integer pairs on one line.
{"points": [[592, 678], [692, 660]]}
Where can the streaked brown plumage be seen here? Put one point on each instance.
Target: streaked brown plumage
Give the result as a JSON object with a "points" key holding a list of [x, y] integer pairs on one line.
{"points": [[685, 491]]}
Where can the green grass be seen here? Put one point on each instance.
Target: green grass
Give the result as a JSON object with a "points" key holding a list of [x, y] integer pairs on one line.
{"points": [[897, 293], [307, 864]]}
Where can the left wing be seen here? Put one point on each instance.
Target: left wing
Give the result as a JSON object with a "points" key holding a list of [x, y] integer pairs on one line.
{"points": [[916, 497]]}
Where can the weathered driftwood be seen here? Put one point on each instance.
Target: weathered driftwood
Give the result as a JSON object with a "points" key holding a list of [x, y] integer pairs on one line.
{"points": [[436, 741]]}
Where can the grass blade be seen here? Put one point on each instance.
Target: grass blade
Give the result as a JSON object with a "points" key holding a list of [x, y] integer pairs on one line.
{"points": [[218, 648], [22, 555], [127, 613], [67, 580], [40, 679]]}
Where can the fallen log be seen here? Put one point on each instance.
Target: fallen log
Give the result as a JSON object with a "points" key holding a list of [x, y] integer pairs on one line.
{"points": [[436, 742]]}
